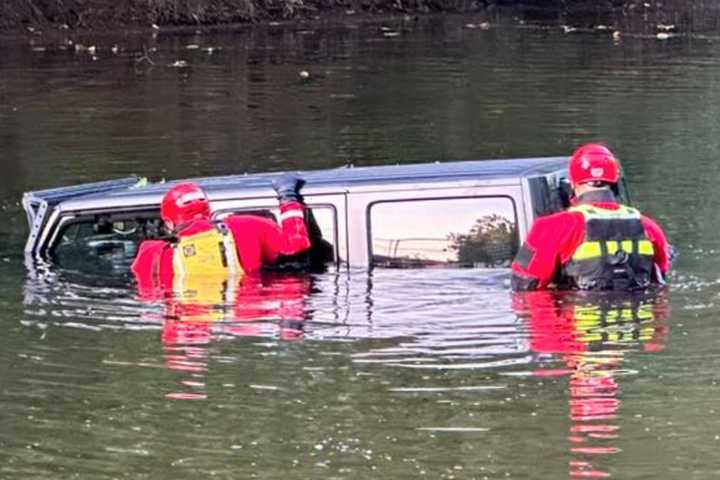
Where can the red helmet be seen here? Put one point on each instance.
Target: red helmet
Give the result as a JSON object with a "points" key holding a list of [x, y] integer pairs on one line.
{"points": [[593, 163], [183, 203]]}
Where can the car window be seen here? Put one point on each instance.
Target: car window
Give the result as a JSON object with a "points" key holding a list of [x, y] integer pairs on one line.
{"points": [[104, 242], [452, 232]]}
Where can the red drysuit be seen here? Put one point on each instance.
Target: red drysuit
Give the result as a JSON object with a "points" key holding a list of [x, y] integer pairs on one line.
{"points": [[553, 240], [259, 241]]}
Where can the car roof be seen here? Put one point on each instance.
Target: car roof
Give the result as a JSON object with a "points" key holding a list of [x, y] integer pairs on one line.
{"points": [[346, 177], [133, 192]]}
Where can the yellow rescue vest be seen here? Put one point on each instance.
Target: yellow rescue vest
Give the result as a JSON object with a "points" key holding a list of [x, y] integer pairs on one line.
{"points": [[206, 267], [615, 253]]}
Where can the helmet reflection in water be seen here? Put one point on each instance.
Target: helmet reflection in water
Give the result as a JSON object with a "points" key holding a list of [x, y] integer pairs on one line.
{"points": [[592, 334]]}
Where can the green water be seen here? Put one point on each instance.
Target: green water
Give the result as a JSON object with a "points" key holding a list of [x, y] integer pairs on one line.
{"points": [[389, 374]]}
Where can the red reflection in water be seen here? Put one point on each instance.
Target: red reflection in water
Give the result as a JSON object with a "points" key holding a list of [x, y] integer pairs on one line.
{"points": [[193, 322], [592, 336]]}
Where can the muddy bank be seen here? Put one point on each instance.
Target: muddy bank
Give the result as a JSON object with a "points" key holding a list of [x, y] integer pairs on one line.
{"points": [[637, 16], [102, 14]]}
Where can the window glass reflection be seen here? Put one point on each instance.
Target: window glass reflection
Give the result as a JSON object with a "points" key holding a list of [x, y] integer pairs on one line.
{"points": [[456, 232]]}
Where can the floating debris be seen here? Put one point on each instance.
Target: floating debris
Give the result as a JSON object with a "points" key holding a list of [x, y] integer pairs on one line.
{"points": [[192, 46], [567, 29], [144, 58], [92, 49], [115, 49], [665, 28], [179, 64], [616, 35], [304, 74], [350, 12], [391, 34], [263, 387], [481, 26], [602, 27], [38, 49], [154, 26], [663, 36]]}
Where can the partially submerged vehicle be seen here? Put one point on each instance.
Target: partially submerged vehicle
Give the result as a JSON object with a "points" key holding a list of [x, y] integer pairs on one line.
{"points": [[453, 214]]}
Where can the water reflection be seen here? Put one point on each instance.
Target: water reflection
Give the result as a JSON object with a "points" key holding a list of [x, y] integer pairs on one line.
{"points": [[592, 336], [452, 345], [269, 306]]}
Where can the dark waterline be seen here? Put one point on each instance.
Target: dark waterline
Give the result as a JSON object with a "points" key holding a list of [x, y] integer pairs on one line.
{"points": [[383, 374]]}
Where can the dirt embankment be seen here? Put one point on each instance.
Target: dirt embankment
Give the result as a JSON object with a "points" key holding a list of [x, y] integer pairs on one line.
{"points": [[102, 14], [20, 15]]}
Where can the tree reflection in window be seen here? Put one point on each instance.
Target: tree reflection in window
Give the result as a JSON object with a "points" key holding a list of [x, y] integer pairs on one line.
{"points": [[491, 242], [446, 232]]}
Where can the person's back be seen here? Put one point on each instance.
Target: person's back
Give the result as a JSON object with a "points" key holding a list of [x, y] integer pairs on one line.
{"points": [[598, 243]]}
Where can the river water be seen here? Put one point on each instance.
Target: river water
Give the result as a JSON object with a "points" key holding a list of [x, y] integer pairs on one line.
{"points": [[355, 374]]}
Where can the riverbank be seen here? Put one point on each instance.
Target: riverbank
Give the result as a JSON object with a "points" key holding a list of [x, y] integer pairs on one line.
{"points": [[34, 16]]}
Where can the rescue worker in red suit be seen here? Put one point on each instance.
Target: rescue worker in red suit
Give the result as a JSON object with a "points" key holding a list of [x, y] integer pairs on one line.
{"points": [[208, 275], [597, 243], [200, 248]]}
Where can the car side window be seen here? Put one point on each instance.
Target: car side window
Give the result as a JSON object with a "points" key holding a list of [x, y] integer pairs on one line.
{"points": [[450, 232], [104, 242]]}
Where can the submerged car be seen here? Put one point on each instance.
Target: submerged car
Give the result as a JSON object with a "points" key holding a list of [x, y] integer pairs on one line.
{"points": [[450, 214]]}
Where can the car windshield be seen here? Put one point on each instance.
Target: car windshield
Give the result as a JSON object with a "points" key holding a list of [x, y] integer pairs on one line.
{"points": [[105, 242]]}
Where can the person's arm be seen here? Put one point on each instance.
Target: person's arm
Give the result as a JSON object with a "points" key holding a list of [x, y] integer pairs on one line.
{"points": [[261, 241], [147, 267], [550, 242], [294, 238], [660, 244]]}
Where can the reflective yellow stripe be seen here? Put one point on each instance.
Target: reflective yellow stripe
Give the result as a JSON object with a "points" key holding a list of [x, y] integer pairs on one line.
{"points": [[645, 247], [588, 250]]}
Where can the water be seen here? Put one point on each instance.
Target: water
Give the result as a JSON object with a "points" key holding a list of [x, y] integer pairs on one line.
{"points": [[355, 374]]}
